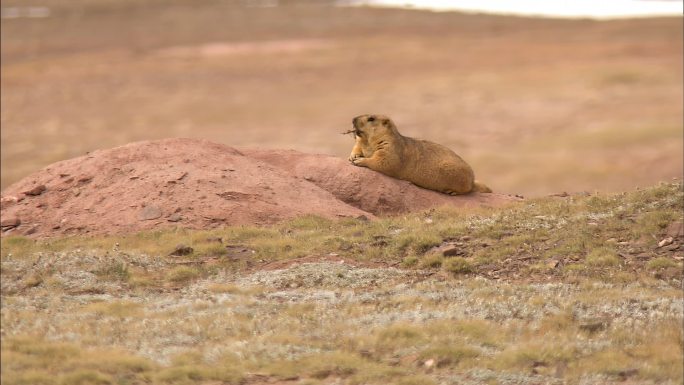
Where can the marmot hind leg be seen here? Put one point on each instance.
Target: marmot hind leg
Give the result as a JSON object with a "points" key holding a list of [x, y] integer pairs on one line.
{"points": [[481, 187], [477, 187]]}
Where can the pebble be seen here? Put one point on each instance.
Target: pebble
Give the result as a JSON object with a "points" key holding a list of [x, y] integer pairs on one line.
{"points": [[9, 223], [36, 190], [174, 218], [181, 250], [149, 212], [666, 241]]}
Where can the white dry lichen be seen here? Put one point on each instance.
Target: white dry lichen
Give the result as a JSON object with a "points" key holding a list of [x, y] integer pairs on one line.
{"points": [[337, 300]]}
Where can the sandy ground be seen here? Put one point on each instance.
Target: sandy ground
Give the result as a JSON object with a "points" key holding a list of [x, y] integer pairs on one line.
{"points": [[536, 106]]}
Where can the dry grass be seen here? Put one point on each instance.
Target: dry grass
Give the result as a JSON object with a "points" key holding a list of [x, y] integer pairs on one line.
{"points": [[580, 236], [112, 310]]}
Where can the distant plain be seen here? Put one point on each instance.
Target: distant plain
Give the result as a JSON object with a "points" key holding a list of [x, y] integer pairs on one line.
{"points": [[537, 106]]}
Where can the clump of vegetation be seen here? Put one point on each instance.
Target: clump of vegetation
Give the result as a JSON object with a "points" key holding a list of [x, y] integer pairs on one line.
{"points": [[661, 263], [114, 271], [458, 265], [182, 274], [602, 257], [449, 355], [114, 309], [399, 336], [431, 261], [30, 360], [576, 236]]}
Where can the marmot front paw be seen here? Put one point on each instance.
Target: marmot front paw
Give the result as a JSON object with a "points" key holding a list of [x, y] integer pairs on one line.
{"points": [[359, 161]]}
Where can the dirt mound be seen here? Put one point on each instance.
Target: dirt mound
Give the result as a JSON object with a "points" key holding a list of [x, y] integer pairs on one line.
{"points": [[198, 184], [364, 188], [175, 182]]}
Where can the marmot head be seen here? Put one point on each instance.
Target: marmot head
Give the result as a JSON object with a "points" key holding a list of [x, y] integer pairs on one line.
{"points": [[368, 127]]}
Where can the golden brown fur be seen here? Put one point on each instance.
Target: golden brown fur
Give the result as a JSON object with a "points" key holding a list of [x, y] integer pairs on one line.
{"points": [[380, 147]]}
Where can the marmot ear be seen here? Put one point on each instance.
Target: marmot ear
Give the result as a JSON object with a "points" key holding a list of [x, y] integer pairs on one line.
{"points": [[386, 122]]}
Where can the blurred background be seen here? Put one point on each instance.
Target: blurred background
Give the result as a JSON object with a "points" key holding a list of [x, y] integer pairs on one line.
{"points": [[536, 105]]}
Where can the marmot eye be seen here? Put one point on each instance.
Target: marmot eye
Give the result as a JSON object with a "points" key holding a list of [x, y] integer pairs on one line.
{"points": [[371, 118]]}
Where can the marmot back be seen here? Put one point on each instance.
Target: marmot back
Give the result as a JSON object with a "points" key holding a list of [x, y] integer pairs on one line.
{"points": [[380, 147]]}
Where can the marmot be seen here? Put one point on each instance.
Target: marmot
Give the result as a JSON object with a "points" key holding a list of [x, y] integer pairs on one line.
{"points": [[380, 147]]}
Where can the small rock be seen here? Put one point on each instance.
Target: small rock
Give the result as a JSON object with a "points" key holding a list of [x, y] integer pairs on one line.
{"points": [[174, 217], [666, 241], [594, 325], [624, 374], [429, 363], [181, 250], [362, 218], [149, 212], [539, 367], [36, 190], [8, 201], [552, 264], [675, 230], [537, 364], [9, 223], [452, 251]]}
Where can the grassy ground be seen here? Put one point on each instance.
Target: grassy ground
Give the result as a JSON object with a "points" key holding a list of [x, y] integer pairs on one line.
{"points": [[537, 106], [576, 289]]}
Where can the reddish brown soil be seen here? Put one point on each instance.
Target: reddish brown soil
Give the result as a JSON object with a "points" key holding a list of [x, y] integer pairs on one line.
{"points": [[364, 188], [197, 184]]}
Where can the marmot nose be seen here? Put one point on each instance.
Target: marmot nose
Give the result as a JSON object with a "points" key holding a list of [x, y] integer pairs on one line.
{"points": [[355, 121]]}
